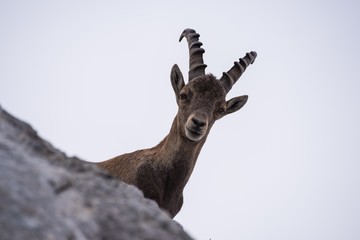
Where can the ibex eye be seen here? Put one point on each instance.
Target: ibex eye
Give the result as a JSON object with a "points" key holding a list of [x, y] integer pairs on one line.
{"points": [[221, 110], [183, 96]]}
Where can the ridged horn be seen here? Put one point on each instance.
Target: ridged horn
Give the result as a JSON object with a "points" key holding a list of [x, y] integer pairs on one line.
{"points": [[196, 63], [229, 78]]}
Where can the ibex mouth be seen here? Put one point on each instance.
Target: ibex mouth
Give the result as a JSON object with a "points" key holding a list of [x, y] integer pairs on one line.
{"points": [[194, 135]]}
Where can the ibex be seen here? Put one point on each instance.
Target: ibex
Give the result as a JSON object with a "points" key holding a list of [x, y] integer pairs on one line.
{"points": [[162, 172]]}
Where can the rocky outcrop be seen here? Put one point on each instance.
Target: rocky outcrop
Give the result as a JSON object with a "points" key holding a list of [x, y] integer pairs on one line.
{"points": [[46, 195]]}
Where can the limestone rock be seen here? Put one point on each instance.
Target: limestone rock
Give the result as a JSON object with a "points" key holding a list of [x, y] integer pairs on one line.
{"points": [[46, 195]]}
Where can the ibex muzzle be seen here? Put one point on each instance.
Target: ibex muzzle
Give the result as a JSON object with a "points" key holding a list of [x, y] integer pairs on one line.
{"points": [[196, 126], [162, 172]]}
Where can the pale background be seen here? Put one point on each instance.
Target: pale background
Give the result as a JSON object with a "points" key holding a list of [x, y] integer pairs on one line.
{"points": [[93, 78]]}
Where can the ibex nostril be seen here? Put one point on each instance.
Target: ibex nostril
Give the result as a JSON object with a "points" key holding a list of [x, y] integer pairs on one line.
{"points": [[198, 122]]}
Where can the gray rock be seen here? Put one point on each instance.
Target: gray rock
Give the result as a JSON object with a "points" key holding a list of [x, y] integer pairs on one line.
{"points": [[46, 195]]}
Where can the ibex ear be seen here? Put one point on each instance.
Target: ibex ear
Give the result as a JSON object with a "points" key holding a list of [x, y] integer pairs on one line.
{"points": [[177, 79], [235, 104]]}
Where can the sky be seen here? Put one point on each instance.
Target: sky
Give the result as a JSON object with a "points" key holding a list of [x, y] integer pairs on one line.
{"points": [[93, 78]]}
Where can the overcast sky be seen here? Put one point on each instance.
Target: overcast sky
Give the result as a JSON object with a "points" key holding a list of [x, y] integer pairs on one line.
{"points": [[92, 77]]}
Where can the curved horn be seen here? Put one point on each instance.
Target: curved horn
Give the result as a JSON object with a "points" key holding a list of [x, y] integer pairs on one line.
{"points": [[196, 63], [229, 78]]}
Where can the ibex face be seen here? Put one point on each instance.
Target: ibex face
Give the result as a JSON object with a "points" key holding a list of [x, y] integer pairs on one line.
{"points": [[202, 101]]}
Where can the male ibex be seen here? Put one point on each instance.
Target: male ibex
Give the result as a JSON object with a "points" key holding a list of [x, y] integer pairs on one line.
{"points": [[162, 172]]}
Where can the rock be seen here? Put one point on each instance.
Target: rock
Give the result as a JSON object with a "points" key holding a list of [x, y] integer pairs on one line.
{"points": [[46, 195]]}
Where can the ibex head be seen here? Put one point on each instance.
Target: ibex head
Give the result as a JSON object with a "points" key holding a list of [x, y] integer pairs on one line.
{"points": [[202, 100]]}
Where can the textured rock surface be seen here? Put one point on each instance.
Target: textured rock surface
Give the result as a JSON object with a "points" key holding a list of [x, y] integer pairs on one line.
{"points": [[46, 195]]}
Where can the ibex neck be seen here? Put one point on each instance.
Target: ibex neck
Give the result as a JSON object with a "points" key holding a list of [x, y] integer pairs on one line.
{"points": [[179, 151]]}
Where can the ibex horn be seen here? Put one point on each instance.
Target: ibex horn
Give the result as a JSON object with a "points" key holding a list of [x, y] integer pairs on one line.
{"points": [[196, 63], [229, 78]]}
